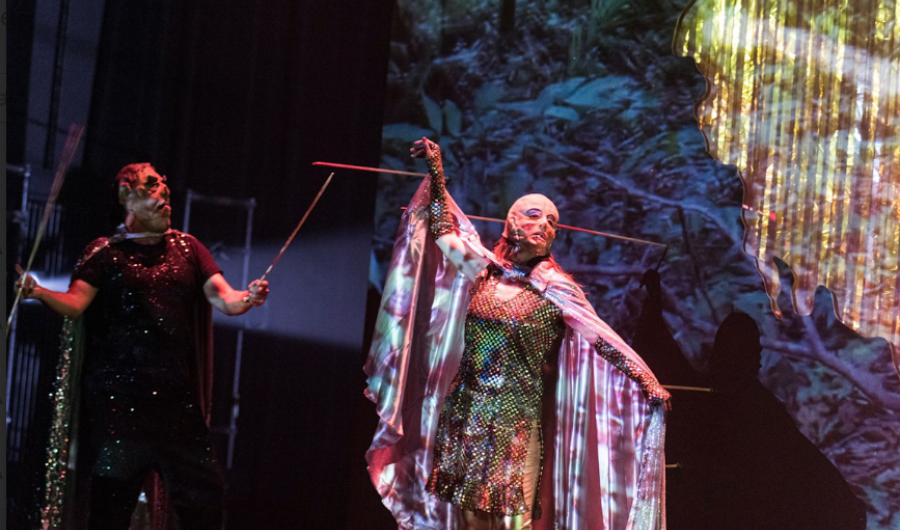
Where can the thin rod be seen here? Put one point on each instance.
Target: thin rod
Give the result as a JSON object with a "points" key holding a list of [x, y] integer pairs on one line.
{"points": [[566, 227], [294, 233], [370, 169], [585, 230], [576, 229], [687, 388], [11, 329], [72, 141]]}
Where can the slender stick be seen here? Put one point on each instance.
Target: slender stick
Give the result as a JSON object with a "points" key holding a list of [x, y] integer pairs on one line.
{"points": [[566, 227], [294, 233], [370, 169], [585, 230], [688, 388], [576, 229], [68, 154]]}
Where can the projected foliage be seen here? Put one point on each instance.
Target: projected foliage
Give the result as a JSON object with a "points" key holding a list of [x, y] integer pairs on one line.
{"points": [[583, 100]]}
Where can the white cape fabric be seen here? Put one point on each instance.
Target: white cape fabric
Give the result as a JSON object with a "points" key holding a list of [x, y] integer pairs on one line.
{"points": [[604, 467]]}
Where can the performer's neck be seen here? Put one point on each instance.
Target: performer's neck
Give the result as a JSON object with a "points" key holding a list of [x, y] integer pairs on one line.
{"points": [[142, 235]]}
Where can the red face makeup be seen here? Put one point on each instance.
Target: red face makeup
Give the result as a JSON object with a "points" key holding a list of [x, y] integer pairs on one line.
{"points": [[531, 226], [148, 203]]}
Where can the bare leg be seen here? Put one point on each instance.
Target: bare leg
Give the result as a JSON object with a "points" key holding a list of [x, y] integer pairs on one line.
{"points": [[194, 483], [529, 486], [477, 521]]}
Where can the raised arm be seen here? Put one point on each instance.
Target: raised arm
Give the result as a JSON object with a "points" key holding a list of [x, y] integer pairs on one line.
{"points": [[71, 303], [223, 297], [443, 227]]}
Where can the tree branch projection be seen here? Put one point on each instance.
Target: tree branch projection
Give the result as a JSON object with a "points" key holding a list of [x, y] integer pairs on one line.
{"points": [[805, 100]]}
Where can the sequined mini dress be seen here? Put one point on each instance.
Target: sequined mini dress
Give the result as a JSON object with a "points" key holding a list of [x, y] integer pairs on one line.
{"points": [[495, 400]]}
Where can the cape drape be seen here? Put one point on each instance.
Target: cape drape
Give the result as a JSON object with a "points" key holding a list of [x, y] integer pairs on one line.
{"points": [[65, 491], [604, 466]]}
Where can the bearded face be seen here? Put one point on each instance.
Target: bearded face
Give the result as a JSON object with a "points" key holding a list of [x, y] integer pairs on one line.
{"points": [[531, 226], [148, 203]]}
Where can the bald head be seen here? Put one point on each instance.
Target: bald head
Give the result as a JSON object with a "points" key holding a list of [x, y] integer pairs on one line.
{"points": [[531, 226]]}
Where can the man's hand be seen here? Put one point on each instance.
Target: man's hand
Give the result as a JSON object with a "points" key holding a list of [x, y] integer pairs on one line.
{"points": [[26, 283], [230, 302], [257, 292], [68, 304]]}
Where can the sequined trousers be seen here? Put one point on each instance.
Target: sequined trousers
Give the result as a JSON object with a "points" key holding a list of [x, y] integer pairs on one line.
{"points": [[493, 408]]}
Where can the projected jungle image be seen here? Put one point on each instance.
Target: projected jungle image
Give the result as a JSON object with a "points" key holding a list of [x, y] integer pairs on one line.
{"points": [[585, 102]]}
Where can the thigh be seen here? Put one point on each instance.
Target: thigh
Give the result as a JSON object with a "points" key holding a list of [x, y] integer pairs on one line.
{"points": [[112, 501], [531, 476], [193, 481], [477, 520], [530, 479]]}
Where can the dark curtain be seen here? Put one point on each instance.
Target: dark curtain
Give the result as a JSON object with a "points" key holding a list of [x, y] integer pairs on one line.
{"points": [[237, 99]]}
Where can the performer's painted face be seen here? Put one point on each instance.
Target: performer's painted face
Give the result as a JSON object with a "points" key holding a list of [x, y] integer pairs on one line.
{"points": [[149, 203], [531, 226]]}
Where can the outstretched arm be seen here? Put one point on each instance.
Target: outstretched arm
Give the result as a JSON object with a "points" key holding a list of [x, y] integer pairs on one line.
{"points": [[580, 315], [443, 228], [71, 303], [656, 394], [223, 297]]}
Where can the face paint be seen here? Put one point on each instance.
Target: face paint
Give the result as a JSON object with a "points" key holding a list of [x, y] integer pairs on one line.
{"points": [[531, 226], [148, 203]]}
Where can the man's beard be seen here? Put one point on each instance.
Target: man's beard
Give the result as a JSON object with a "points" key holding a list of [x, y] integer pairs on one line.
{"points": [[159, 225]]}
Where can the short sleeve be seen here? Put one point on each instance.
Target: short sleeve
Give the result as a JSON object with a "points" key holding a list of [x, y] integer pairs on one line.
{"points": [[207, 266], [91, 268]]}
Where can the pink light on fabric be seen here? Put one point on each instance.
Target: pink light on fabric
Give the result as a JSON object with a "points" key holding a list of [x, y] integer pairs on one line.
{"points": [[604, 467]]}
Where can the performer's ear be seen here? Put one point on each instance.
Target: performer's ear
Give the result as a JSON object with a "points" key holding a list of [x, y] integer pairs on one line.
{"points": [[124, 192]]}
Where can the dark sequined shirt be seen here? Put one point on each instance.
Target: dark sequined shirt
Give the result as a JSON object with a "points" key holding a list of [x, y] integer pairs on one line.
{"points": [[495, 399], [140, 340]]}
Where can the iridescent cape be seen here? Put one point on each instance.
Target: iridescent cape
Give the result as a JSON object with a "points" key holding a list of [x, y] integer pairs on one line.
{"points": [[604, 466], [65, 494]]}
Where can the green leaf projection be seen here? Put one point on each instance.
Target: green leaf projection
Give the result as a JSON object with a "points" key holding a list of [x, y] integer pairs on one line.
{"points": [[585, 102]]}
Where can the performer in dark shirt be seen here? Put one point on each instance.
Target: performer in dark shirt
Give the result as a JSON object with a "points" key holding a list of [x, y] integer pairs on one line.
{"points": [[144, 295]]}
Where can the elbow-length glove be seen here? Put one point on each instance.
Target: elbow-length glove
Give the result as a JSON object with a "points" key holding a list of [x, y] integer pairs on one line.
{"points": [[651, 387], [441, 221]]}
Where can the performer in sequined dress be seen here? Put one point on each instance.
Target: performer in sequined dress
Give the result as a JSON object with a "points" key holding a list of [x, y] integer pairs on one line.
{"points": [[525, 319], [143, 368]]}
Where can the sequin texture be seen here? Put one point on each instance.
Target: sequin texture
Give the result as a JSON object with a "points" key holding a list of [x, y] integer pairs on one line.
{"points": [[136, 370], [651, 387], [495, 399], [56, 462], [441, 221]]}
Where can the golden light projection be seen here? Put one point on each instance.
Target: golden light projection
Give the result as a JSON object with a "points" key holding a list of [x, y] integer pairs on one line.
{"points": [[804, 98]]}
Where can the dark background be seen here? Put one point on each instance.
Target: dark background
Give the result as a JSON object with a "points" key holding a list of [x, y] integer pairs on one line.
{"points": [[233, 99], [237, 98]]}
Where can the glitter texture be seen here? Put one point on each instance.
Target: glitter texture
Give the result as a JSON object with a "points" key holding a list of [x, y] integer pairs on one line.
{"points": [[495, 399], [441, 222], [651, 387], [593, 413], [136, 368]]}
